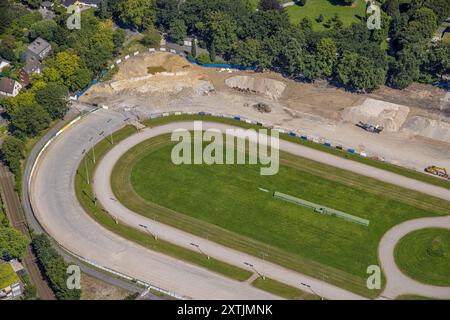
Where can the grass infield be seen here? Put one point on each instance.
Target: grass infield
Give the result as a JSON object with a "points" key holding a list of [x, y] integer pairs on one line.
{"points": [[283, 290], [235, 213], [424, 255], [84, 194]]}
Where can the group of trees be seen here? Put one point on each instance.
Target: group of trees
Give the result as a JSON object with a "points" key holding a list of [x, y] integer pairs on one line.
{"points": [[54, 268], [352, 56]]}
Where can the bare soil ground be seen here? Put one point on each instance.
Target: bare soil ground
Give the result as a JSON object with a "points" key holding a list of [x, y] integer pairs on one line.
{"points": [[318, 110], [95, 289]]}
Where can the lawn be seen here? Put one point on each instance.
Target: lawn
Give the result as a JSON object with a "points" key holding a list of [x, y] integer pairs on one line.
{"points": [[424, 255], [328, 8], [283, 290], [7, 275], [84, 194], [236, 213]]}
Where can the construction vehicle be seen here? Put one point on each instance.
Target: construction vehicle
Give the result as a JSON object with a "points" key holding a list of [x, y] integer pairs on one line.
{"points": [[437, 171], [370, 127]]}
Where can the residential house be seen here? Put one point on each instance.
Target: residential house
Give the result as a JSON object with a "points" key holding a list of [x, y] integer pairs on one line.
{"points": [[188, 41], [10, 287], [9, 87], [33, 66], [37, 51], [39, 48]]}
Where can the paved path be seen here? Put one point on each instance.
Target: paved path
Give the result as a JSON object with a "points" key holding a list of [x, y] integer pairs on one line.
{"points": [[59, 213], [397, 282]]}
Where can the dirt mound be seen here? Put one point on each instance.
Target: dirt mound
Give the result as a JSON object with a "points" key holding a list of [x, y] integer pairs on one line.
{"points": [[431, 128], [269, 87], [389, 115], [140, 65]]}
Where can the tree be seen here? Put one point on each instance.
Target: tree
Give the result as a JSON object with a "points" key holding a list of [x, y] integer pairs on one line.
{"points": [[325, 56], [151, 38], [29, 120], [246, 53], [54, 267], [139, 14], [359, 72], [13, 244], [45, 29], [203, 58], [12, 153], [266, 5], [119, 36], [53, 97], [194, 48], [222, 32], [178, 31]]}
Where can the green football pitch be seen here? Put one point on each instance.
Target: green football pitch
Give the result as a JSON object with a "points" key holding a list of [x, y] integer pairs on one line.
{"points": [[225, 204]]}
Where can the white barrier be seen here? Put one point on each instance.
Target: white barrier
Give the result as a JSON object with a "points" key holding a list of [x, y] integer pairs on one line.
{"points": [[119, 61], [151, 49], [163, 49], [135, 53], [127, 57]]}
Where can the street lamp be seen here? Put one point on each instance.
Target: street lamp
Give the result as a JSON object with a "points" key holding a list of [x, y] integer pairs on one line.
{"points": [[146, 229], [198, 247], [254, 269], [93, 148], [85, 166], [310, 288]]}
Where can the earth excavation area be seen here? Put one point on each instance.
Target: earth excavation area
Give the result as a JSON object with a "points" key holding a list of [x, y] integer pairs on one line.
{"points": [[416, 121]]}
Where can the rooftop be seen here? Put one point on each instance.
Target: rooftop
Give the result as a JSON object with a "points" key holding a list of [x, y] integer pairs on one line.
{"points": [[38, 45], [7, 85]]}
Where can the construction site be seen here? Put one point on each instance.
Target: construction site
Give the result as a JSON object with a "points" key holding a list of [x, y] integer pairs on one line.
{"points": [[412, 126]]}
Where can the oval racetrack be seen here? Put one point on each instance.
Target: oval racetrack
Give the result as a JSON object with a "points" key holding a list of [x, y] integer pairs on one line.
{"points": [[56, 207]]}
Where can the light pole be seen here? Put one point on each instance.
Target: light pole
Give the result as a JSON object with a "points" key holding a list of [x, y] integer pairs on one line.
{"points": [[85, 165], [254, 269], [310, 288], [146, 229], [201, 251], [93, 148]]}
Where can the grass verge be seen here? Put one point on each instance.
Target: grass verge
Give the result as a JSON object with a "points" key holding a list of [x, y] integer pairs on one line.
{"points": [[85, 196], [424, 255], [355, 157], [283, 290]]}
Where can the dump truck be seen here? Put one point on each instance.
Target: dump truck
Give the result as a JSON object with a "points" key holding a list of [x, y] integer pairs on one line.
{"points": [[370, 127], [437, 171]]}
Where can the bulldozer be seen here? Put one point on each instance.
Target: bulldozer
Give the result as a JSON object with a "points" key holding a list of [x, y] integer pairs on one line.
{"points": [[437, 171], [369, 127]]}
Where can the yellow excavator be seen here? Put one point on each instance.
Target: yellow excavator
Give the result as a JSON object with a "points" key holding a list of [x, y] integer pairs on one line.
{"points": [[441, 172]]}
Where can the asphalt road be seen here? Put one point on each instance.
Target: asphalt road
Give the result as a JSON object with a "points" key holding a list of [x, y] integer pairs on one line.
{"points": [[59, 213]]}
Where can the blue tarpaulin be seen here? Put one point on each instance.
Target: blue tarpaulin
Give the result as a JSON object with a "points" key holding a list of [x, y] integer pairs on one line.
{"points": [[237, 118], [304, 137], [221, 65]]}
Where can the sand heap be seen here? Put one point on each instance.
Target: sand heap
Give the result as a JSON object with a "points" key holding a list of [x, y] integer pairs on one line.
{"points": [[137, 67], [438, 129], [389, 115], [269, 87]]}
